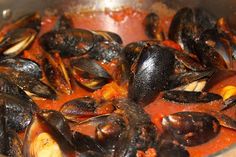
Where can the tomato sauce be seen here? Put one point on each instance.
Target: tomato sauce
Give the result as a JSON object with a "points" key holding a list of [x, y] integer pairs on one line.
{"points": [[128, 23]]}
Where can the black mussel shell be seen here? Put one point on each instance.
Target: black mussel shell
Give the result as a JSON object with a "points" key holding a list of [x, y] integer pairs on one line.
{"points": [[8, 87], [151, 74], [23, 65], [191, 128], [80, 107], [56, 73], [58, 124], [18, 113], [28, 83], [105, 51], [69, 42], [15, 41], [190, 97]]}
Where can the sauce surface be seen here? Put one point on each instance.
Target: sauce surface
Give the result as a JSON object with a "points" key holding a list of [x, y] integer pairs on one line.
{"points": [[128, 24]]}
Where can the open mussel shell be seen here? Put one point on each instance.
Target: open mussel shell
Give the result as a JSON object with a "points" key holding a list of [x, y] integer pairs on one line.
{"points": [[48, 135], [151, 74], [16, 41], [214, 50], [182, 26], [188, 24], [23, 65], [191, 128], [28, 83], [185, 80], [190, 97], [89, 73], [56, 73], [104, 133], [69, 42]]}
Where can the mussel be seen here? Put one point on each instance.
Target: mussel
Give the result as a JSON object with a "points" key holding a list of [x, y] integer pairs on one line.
{"points": [[89, 73], [18, 112], [188, 24], [23, 65], [8, 87], [16, 41], [191, 128], [190, 97], [48, 134], [69, 42], [79, 108], [56, 73], [161, 68], [123, 132], [140, 132], [152, 72], [214, 50], [105, 51], [28, 83]]}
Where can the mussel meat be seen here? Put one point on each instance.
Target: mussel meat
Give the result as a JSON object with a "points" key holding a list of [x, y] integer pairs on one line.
{"points": [[16, 41], [89, 73], [56, 73], [48, 135]]}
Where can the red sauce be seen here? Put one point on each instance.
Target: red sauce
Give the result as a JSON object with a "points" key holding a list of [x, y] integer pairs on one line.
{"points": [[128, 24]]}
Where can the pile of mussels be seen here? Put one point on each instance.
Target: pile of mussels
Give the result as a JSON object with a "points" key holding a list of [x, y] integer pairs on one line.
{"points": [[178, 63]]}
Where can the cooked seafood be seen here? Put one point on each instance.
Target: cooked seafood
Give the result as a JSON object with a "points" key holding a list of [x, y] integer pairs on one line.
{"points": [[48, 134], [101, 87], [70, 42], [16, 41], [28, 83], [56, 73], [23, 65], [191, 128], [89, 73]]}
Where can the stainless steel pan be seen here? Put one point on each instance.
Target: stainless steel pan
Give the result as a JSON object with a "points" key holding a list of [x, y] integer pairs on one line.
{"points": [[11, 9]]}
